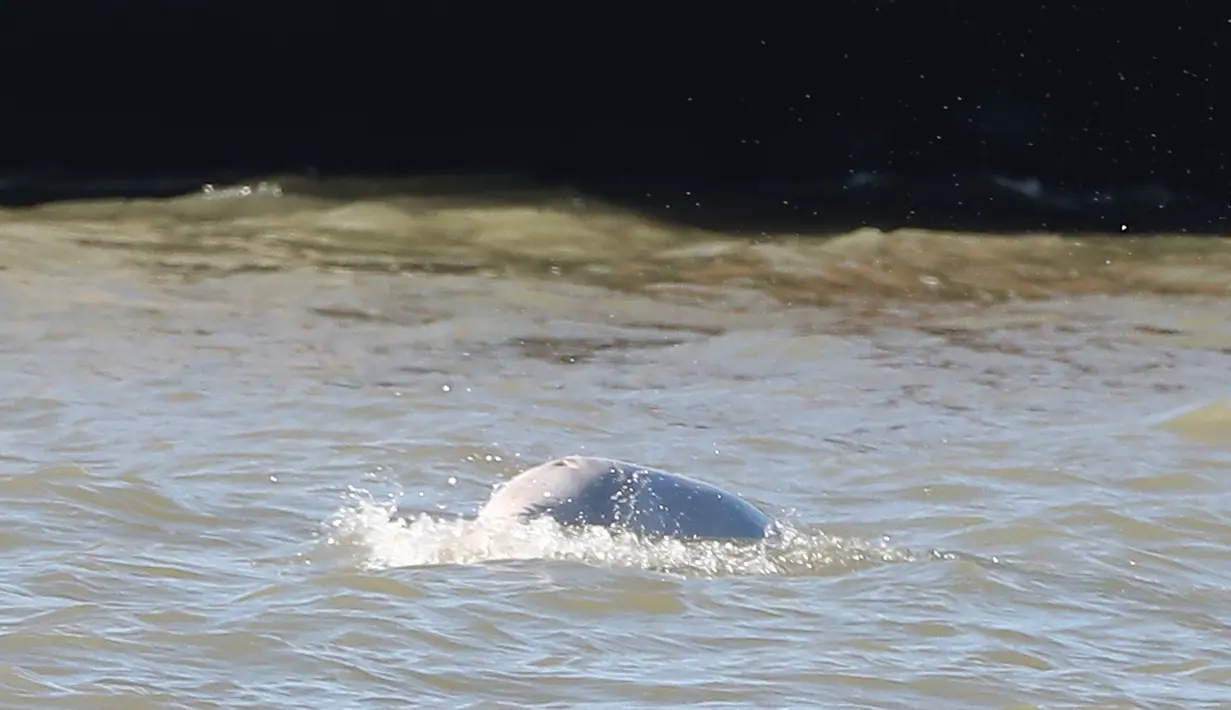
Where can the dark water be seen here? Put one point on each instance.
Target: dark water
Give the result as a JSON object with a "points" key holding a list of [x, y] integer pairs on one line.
{"points": [[1002, 460]]}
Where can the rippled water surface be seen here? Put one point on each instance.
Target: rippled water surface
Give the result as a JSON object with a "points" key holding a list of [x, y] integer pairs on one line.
{"points": [[1002, 462]]}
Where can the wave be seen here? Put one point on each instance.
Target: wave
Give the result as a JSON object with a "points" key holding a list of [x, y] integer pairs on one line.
{"points": [[501, 229]]}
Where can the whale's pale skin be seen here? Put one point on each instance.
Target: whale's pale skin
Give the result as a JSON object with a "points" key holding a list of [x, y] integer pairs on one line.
{"points": [[585, 490]]}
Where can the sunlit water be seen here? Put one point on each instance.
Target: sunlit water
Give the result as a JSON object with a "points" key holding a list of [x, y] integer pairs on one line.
{"points": [[245, 435]]}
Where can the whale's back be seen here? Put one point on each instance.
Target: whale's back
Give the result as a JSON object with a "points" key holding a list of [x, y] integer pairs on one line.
{"points": [[578, 490]]}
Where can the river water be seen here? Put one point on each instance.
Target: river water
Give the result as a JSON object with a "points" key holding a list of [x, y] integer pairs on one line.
{"points": [[1002, 462]]}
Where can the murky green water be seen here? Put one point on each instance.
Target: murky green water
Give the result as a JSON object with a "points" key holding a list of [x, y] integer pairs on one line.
{"points": [[1004, 462]]}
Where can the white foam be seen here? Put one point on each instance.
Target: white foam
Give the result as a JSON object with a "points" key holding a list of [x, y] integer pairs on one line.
{"points": [[370, 539]]}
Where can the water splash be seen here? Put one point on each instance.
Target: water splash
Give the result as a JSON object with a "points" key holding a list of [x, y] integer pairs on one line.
{"points": [[365, 533]]}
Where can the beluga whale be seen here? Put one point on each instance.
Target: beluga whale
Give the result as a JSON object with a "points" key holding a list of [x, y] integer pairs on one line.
{"points": [[578, 491]]}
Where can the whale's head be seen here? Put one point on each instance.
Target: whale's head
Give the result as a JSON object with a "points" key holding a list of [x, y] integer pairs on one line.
{"points": [[574, 490]]}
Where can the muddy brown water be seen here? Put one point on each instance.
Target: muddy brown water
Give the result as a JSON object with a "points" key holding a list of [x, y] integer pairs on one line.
{"points": [[1004, 462]]}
